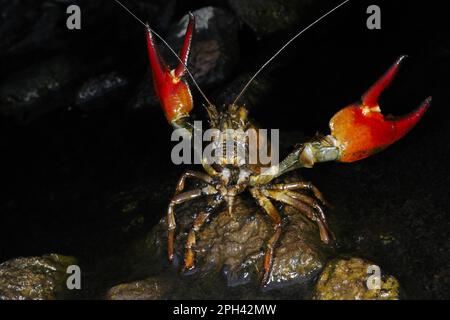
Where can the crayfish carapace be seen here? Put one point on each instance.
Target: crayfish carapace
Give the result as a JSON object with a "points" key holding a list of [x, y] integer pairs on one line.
{"points": [[357, 131]]}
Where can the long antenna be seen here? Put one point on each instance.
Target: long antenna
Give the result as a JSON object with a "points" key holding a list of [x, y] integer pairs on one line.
{"points": [[168, 46], [284, 47]]}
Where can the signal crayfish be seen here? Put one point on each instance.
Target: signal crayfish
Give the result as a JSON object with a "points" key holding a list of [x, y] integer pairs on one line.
{"points": [[357, 131]]}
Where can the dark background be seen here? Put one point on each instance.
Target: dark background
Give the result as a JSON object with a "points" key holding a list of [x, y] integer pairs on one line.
{"points": [[67, 163]]}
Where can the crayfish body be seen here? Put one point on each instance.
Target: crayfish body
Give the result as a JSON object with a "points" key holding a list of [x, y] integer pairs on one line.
{"points": [[357, 131]]}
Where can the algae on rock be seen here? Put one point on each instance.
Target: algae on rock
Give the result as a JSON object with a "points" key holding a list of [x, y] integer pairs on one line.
{"points": [[347, 280], [34, 278]]}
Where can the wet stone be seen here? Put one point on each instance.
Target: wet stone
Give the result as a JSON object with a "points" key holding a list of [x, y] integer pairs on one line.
{"points": [[29, 93], [34, 278], [152, 288], [266, 17], [346, 279], [38, 29], [101, 89], [233, 246]]}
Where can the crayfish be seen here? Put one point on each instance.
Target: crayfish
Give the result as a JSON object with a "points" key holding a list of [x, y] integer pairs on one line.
{"points": [[357, 131]]}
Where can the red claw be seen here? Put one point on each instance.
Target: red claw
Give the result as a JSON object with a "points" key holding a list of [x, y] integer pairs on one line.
{"points": [[172, 91], [361, 130]]}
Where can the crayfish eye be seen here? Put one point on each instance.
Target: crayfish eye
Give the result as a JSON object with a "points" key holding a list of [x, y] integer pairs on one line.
{"points": [[243, 114]]}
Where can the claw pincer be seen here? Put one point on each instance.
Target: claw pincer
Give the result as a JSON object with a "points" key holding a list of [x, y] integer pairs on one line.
{"points": [[361, 129], [172, 90]]}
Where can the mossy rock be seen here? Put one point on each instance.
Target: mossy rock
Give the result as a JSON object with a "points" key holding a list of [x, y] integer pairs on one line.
{"points": [[153, 288], [34, 278], [348, 280]]}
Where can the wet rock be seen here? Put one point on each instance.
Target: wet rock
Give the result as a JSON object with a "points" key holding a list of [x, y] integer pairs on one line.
{"points": [[34, 278], [266, 17], [100, 90], [347, 280], [301, 254], [153, 288], [31, 30], [30, 92], [234, 245]]}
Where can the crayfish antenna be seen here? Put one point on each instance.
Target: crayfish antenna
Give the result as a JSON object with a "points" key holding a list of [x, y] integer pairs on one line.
{"points": [[284, 47]]}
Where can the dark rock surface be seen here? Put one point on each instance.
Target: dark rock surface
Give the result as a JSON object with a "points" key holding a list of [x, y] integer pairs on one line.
{"points": [[31, 92], [266, 17], [234, 245], [101, 90], [34, 278], [30, 26], [143, 98]]}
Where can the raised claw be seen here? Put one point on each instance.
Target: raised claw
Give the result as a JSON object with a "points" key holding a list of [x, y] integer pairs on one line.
{"points": [[357, 131], [172, 91], [361, 129]]}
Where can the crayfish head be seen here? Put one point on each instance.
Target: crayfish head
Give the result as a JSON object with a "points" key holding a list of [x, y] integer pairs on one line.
{"points": [[232, 117]]}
